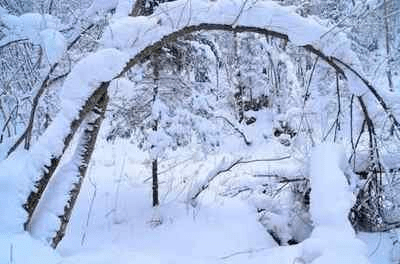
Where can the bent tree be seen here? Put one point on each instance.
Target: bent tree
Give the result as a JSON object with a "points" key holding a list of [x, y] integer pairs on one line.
{"points": [[276, 22]]}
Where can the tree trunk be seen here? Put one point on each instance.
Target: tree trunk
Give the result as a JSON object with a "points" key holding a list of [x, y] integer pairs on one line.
{"points": [[86, 146], [156, 77], [239, 93], [387, 39], [36, 194], [155, 183]]}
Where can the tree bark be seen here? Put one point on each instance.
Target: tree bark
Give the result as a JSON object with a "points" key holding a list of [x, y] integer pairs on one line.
{"points": [[156, 202], [86, 145], [48, 171], [156, 76], [387, 40]]}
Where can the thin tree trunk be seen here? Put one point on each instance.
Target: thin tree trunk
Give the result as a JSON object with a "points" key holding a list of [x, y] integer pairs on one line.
{"points": [[86, 145], [155, 183], [238, 78], [138, 8], [156, 77], [387, 39]]}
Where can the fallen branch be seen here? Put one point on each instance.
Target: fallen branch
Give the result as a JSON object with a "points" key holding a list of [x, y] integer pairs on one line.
{"points": [[227, 168], [246, 141], [250, 251]]}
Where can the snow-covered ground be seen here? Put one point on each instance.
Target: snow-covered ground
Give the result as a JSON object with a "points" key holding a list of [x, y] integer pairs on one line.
{"points": [[113, 221], [123, 226]]}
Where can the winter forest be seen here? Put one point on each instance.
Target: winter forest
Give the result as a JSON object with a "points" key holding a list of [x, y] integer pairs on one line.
{"points": [[200, 131]]}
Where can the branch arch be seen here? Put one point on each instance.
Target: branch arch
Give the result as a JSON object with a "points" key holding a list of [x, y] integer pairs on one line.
{"points": [[49, 165]]}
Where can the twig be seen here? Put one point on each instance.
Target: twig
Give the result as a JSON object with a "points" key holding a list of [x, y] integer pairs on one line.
{"points": [[246, 141], [228, 168], [90, 210], [240, 12], [250, 251]]}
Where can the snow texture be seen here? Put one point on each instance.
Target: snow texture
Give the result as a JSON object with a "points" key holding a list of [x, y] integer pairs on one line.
{"points": [[22, 248], [100, 7], [333, 239], [38, 29], [54, 45], [46, 221]]}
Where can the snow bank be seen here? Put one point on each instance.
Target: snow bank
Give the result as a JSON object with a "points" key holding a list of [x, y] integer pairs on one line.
{"points": [[331, 198], [22, 248], [122, 209], [333, 239]]}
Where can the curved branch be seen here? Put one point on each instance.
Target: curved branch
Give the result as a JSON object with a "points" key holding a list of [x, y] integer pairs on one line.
{"points": [[223, 27], [374, 91], [334, 62], [226, 168]]}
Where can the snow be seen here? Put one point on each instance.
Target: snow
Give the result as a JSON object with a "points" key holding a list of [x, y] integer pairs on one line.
{"points": [[217, 230], [333, 239], [123, 8], [54, 45], [331, 197], [22, 248], [383, 248], [45, 221], [28, 26], [133, 34], [112, 219], [100, 7], [357, 87], [87, 75], [122, 212], [123, 34], [38, 29], [170, 17], [3, 11], [13, 189]]}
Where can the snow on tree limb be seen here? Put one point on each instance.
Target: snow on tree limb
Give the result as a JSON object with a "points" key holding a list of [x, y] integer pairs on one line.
{"points": [[81, 92]]}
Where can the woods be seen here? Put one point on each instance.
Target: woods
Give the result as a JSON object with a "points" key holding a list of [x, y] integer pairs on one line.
{"points": [[260, 83]]}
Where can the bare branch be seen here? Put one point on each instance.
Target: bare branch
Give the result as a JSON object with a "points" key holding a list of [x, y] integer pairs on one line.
{"points": [[228, 168]]}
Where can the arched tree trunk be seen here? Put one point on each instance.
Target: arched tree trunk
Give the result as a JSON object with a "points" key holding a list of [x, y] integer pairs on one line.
{"points": [[34, 197], [85, 147]]}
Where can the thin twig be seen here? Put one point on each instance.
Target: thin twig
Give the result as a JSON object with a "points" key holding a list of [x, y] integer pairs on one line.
{"points": [[228, 168]]}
